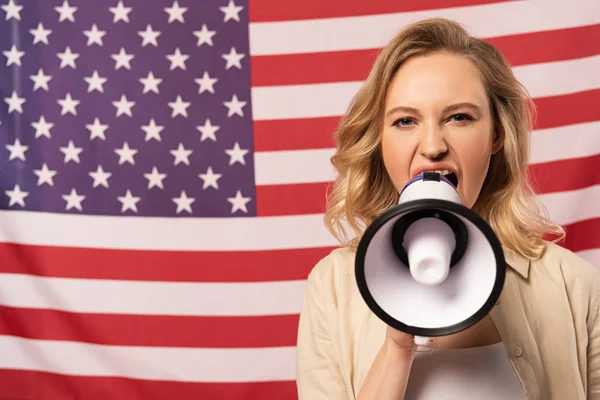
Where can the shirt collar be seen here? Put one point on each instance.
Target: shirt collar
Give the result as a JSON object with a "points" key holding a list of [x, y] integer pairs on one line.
{"points": [[517, 261]]}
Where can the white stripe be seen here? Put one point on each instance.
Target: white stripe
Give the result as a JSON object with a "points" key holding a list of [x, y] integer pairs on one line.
{"points": [[573, 206], [159, 363], [332, 99], [151, 298], [364, 32], [565, 142], [592, 256]]}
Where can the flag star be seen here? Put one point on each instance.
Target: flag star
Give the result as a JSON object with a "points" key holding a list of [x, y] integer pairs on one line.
{"points": [[95, 82], [238, 202], [40, 80], [45, 175], [15, 103], [206, 83], [179, 107], [122, 59], [68, 58], [68, 105], [183, 202], [175, 12], [97, 130], [66, 12], [16, 196], [129, 201], [234, 106], [181, 155], [231, 11], [42, 128], [120, 12], [233, 58], [123, 106], [100, 177], [94, 36], [208, 131], [150, 83], [12, 10], [204, 36], [149, 36], [210, 179], [73, 200], [17, 150], [13, 56], [177, 59], [152, 131], [71, 152], [40, 34], [126, 154], [236, 154], [155, 178]]}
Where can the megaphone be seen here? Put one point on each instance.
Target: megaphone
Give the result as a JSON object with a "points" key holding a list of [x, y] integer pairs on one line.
{"points": [[429, 266]]}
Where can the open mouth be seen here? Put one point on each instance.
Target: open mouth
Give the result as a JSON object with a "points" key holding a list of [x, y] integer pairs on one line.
{"points": [[452, 178]]}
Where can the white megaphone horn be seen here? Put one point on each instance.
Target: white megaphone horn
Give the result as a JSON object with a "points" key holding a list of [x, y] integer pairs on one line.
{"points": [[430, 266]]}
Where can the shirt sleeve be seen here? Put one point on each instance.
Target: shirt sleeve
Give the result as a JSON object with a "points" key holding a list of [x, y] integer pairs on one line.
{"points": [[318, 375], [593, 350]]}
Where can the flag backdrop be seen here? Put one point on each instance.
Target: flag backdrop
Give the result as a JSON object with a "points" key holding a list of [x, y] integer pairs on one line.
{"points": [[164, 166]]}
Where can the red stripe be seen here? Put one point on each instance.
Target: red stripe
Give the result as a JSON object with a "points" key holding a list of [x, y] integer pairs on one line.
{"points": [[354, 65], [563, 175], [305, 198], [274, 10], [150, 330], [17, 384], [568, 109], [582, 235], [147, 265]]}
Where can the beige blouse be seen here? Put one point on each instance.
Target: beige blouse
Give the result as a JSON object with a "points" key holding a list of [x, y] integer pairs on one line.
{"points": [[547, 317]]}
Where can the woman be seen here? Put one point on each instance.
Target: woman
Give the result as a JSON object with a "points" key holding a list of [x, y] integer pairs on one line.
{"points": [[440, 99]]}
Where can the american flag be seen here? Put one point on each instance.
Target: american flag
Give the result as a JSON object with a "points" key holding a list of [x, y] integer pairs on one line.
{"points": [[164, 170]]}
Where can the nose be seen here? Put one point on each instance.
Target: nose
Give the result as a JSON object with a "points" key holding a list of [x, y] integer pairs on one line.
{"points": [[433, 144]]}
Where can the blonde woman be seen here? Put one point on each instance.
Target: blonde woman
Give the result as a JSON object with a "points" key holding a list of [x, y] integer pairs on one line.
{"points": [[440, 99]]}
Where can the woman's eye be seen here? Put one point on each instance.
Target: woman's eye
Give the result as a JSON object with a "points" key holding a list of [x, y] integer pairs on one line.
{"points": [[461, 118], [402, 122]]}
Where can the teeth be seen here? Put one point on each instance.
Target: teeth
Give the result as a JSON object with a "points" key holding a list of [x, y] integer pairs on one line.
{"points": [[442, 171]]}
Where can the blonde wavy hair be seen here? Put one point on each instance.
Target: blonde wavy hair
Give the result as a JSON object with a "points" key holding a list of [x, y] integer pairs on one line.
{"points": [[363, 190]]}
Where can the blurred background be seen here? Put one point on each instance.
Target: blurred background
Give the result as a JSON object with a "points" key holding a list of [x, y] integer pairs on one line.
{"points": [[164, 166]]}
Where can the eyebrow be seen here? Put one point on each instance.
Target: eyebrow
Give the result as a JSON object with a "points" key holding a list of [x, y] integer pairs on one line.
{"points": [[448, 109]]}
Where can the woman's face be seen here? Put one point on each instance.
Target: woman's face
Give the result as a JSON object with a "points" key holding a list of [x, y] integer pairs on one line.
{"points": [[437, 117]]}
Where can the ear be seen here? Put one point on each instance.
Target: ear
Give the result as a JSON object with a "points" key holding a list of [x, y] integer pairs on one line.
{"points": [[498, 143]]}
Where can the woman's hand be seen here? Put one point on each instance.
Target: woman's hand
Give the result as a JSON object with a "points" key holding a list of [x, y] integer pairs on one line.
{"points": [[399, 341]]}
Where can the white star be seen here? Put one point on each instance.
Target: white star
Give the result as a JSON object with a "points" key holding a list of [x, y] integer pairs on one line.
{"points": [[100, 177], [68, 58], [97, 130], [13, 56], [231, 11], [12, 10], [16, 196], [94, 36], [183, 202], [123, 106], [42, 128], [179, 107], [126, 154], [208, 131], [17, 150], [233, 58], [206, 83], [177, 59], [40, 80], [149, 36], [129, 201], [155, 178], [236, 154], [150, 83], [15, 103], [73, 200], [45, 175], [66, 12], [234, 106], [175, 12], [204, 36], [95, 82], [120, 12], [71, 152], [181, 155], [68, 105], [40, 34], [152, 130], [122, 59], [238, 202], [210, 179]]}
